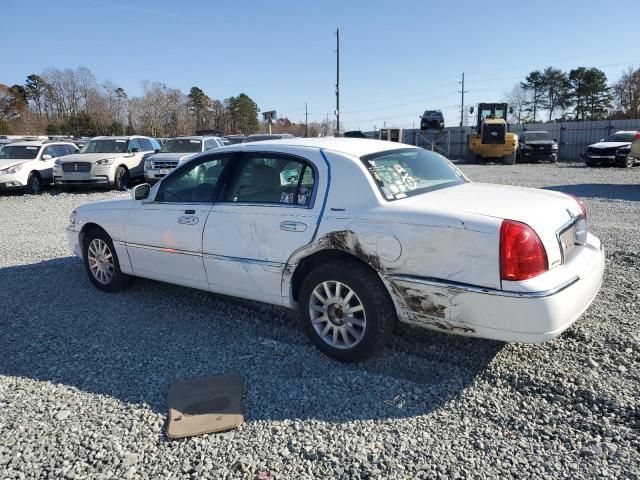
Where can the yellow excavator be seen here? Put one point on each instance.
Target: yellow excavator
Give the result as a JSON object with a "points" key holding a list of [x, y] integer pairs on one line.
{"points": [[492, 140]]}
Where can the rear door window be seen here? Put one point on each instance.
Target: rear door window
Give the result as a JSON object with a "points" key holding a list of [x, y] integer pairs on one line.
{"points": [[274, 179]]}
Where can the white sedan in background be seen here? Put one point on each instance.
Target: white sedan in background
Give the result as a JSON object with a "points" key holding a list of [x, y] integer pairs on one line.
{"points": [[356, 234]]}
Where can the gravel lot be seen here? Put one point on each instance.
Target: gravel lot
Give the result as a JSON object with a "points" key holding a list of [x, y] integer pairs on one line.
{"points": [[84, 374]]}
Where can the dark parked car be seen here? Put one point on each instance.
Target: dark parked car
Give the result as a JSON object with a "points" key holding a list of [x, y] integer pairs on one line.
{"points": [[536, 146], [613, 150], [432, 120]]}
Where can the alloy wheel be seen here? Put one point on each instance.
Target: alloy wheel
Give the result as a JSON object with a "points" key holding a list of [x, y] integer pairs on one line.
{"points": [[100, 261], [337, 315]]}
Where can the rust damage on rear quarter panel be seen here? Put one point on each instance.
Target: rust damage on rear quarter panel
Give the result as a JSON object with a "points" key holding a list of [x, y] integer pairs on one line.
{"points": [[348, 241], [414, 305]]}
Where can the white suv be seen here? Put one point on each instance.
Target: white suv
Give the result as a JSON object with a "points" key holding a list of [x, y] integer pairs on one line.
{"points": [[28, 165], [176, 151], [106, 161]]}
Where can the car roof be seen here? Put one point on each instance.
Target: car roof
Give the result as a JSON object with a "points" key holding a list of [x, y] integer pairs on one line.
{"points": [[124, 137], [39, 143], [626, 132], [194, 137], [351, 146], [536, 131]]}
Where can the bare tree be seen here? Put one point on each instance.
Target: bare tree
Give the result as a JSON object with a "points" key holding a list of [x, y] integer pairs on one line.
{"points": [[518, 98]]}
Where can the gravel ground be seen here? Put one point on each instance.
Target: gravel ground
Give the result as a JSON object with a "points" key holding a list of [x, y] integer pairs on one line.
{"points": [[84, 374]]}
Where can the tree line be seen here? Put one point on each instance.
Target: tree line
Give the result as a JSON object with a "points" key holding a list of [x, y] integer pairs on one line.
{"points": [[73, 102], [581, 94]]}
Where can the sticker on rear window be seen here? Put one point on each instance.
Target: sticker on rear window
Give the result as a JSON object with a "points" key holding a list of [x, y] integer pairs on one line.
{"points": [[32, 148], [194, 141], [120, 141]]}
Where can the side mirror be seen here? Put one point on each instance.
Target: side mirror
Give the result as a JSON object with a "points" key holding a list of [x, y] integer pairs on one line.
{"points": [[470, 109], [135, 150], [140, 192], [157, 150], [46, 157], [555, 140], [601, 140]]}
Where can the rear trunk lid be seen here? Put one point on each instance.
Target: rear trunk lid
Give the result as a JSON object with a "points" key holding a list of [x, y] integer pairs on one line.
{"points": [[547, 212]]}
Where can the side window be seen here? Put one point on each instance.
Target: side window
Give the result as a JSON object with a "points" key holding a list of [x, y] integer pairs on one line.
{"points": [[71, 149], [145, 144], [266, 179], [195, 183], [209, 144], [49, 151], [60, 150], [133, 143]]}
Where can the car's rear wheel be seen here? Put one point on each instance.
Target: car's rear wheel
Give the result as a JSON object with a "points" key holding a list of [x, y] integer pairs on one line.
{"points": [[121, 178], [346, 311], [590, 163], [101, 262], [34, 184]]}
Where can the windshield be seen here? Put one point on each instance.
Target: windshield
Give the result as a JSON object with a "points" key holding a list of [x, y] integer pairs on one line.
{"points": [[430, 113], [535, 136], [181, 145], [407, 172], [620, 137], [105, 146], [15, 152], [257, 138]]}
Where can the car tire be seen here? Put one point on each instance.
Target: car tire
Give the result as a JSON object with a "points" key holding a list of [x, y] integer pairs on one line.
{"points": [[34, 184], [509, 159], [590, 163], [121, 178], [369, 322], [626, 163], [101, 262], [470, 157]]}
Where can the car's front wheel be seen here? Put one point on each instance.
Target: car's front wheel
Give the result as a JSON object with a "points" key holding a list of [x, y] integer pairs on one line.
{"points": [[34, 184], [346, 311], [121, 178], [101, 262], [626, 163]]}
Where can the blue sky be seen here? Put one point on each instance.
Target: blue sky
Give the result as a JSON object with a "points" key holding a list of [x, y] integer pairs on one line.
{"points": [[397, 58]]}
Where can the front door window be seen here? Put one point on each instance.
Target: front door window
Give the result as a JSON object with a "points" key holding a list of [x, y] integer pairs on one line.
{"points": [[194, 183]]}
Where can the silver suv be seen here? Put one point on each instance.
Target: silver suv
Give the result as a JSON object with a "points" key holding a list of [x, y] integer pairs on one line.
{"points": [[175, 151]]}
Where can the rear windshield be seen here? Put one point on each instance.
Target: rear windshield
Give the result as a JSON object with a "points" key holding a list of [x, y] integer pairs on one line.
{"points": [[182, 145], [408, 172], [14, 152]]}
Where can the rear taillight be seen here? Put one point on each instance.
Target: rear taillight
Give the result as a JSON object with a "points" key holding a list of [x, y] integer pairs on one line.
{"points": [[638, 135], [522, 255], [583, 207]]}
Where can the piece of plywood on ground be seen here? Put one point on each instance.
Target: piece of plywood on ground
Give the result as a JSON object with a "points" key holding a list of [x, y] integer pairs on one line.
{"points": [[205, 405]]}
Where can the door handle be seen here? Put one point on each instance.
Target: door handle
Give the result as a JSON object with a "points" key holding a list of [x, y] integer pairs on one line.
{"points": [[187, 220], [293, 226]]}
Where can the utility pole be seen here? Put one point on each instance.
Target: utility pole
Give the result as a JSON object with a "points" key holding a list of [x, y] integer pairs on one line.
{"points": [[463, 91], [337, 82], [306, 121]]}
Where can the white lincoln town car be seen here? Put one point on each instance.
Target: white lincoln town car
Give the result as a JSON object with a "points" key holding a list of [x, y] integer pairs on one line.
{"points": [[355, 234]]}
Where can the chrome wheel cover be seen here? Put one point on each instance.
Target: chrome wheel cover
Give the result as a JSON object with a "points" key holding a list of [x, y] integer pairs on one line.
{"points": [[337, 315], [100, 261]]}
